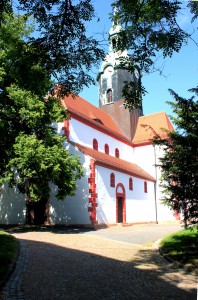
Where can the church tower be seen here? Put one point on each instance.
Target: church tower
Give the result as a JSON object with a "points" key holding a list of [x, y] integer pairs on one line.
{"points": [[111, 78]]}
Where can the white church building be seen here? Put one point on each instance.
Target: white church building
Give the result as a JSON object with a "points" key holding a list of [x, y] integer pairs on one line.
{"points": [[121, 179]]}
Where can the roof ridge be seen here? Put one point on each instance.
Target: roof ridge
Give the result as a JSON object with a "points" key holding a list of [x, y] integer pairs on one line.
{"points": [[156, 113], [170, 126]]}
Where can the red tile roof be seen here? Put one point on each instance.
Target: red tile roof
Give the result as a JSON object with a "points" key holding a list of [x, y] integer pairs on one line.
{"points": [[150, 126], [114, 163], [82, 107]]}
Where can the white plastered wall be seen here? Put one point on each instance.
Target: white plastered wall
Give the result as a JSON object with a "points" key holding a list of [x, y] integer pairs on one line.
{"points": [[106, 210], [73, 209], [84, 134], [146, 157], [140, 206], [12, 206]]}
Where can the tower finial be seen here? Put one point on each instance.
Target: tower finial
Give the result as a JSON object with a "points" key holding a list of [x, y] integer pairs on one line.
{"points": [[115, 16]]}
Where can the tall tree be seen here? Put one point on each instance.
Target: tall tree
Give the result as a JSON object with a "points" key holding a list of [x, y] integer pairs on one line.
{"points": [[31, 63], [60, 39], [180, 162], [32, 155], [150, 28]]}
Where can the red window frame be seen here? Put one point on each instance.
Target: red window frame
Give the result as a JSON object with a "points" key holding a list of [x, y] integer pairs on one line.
{"points": [[145, 187], [117, 153], [106, 148], [95, 144], [130, 184], [112, 180]]}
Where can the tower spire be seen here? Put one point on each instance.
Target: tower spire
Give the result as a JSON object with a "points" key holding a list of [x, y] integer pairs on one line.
{"points": [[111, 79], [115, 29]]}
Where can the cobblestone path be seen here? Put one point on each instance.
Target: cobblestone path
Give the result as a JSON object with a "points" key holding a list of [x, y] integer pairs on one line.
{"points": [[75, 266], [13, 288]]}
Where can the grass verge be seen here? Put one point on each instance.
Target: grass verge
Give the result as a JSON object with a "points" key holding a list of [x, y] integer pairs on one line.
{"points": [[9, 247], [182, 247]]}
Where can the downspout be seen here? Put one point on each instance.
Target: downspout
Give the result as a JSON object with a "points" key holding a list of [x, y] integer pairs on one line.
{"points": [[155, 186]]}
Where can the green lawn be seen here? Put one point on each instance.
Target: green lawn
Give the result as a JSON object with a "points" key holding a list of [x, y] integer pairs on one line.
{"points": [[8, 250], [182, 247]]}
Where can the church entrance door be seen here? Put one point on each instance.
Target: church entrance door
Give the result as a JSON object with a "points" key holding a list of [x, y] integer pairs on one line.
{"points": [[120, 204], [120, 209]]}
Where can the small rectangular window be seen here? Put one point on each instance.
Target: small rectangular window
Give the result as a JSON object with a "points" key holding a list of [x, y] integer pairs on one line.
{"points": [[112, 180], [130, 184], [145, 187]]}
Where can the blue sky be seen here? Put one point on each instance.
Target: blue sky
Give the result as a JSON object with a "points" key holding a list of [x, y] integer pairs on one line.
{"points": [[181, 70]]}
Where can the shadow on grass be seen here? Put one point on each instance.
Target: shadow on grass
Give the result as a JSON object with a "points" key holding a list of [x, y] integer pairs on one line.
{"points": [[57, 272], [9, 249], [182, 247]]}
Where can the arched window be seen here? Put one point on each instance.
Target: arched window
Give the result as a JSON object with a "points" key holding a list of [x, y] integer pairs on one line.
{"points": [[106, 148], [95, 144], [145, 187], [112, 180], [113, 44], [117, 153], [130, 184], [109, 96]]}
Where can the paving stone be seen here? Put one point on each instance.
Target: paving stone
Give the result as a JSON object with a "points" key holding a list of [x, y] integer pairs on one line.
{"points": [[74, 266]]}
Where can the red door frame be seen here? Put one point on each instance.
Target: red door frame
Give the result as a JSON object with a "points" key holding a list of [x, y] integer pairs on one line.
{"points": [[123, 196]]}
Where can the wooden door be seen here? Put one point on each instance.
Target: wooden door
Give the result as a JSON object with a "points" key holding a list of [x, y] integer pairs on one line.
{"points": [[120, 209]]}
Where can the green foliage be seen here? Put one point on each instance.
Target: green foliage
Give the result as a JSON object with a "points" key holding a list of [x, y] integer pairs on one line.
{"points": [[8, 251], [193, 5], [32, 155], [19, 60], [36, 163], [61, 42], [133, 90], [150, 28], [182, 246], [180, 162]]}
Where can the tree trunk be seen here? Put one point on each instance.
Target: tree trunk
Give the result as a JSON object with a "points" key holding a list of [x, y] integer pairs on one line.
{"points": [[185, 215], [29, 212], [36, 212]]}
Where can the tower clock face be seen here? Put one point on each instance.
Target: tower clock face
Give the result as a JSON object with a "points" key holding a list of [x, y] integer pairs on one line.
{"points": [[108, 71]]}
